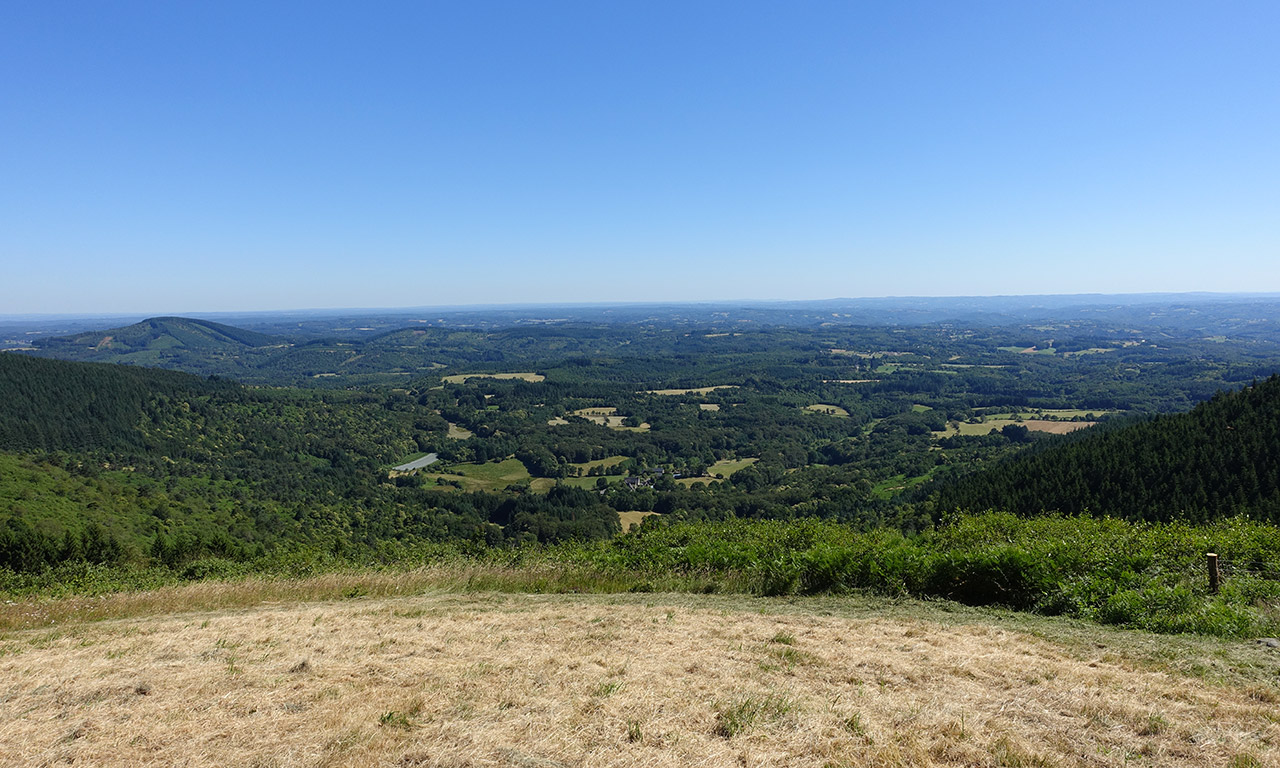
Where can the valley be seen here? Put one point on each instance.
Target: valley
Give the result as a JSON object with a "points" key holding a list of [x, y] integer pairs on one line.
{"points": [[722, 540]]}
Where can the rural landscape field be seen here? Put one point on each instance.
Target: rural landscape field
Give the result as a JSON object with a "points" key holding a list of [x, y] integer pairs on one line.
{"points": [[707, 385], [646, 541]]}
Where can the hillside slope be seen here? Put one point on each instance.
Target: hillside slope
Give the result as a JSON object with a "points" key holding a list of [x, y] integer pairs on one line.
{"points": [[54, 405], [161, 333], [175, 467], [1221, 458], [198, 346]]}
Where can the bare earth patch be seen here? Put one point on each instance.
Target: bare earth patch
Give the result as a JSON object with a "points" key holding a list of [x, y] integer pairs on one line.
{"points": [[522, 680]]}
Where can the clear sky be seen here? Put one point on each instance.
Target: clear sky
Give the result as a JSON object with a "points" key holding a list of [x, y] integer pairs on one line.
{"points": [[182, 156]]}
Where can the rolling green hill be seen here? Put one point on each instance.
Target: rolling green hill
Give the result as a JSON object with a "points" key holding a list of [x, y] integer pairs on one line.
{"points": [[1219, 459], [148, 341]]}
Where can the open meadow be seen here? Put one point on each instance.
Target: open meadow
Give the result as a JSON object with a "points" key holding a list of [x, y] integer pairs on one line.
{"points": [[226, 674]]}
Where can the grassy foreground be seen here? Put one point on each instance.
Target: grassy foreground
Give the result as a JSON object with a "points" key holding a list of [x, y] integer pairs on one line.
{"points": [[443, 677]]}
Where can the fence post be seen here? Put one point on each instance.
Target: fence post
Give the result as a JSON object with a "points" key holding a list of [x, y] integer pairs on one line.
{"points": [[1213, 572]]}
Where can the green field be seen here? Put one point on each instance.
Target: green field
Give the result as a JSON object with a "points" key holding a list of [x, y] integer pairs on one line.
{"points": [[611, 461], [489, 476], [890, 487], [724, 467], [492, 476]]}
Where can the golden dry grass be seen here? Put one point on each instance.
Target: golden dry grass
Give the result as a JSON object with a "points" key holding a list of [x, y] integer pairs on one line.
{"points": [[1056, 427], [690, 390], [1035, 425], [632, 518], [606, 416], [458, 433], [827, 410], [460, 378], [522, 680]]}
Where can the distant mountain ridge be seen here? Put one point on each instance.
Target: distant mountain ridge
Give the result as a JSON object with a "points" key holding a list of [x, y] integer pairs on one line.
{"points": [[160, 333]]}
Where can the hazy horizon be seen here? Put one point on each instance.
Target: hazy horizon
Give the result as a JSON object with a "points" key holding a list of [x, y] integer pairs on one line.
{"points": [[1084, 300]]}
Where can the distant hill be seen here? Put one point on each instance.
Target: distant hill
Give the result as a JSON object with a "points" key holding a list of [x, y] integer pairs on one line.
{"points": [[158, 334], [1221, 458]]}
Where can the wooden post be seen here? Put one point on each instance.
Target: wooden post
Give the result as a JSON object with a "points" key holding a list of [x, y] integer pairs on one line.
{"points": [[1213, 573]]}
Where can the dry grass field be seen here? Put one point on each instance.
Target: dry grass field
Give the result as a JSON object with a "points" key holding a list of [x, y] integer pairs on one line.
{"points": [[458, 433], [827, 410], [607, 416], [1056, 427], [632, 518], [488, 679], [1035, 425], [690, 391], [462, 377]]}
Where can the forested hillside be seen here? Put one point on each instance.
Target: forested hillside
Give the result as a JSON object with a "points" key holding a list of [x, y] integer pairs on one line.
{"points": [[549, 432], [104, 462], [1219, 459], [198, 346], [160, 333], [50, 405]]}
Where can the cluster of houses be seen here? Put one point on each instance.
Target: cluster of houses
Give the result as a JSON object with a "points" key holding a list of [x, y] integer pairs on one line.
{"points": [[646, 480]]}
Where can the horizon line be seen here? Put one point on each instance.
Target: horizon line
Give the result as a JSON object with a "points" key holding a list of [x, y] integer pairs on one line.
{"points": [[512, 306]]}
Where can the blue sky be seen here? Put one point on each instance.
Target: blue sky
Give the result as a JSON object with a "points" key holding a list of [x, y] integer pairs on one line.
{"points": [[163, 157]]}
